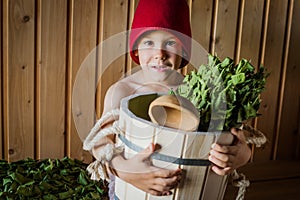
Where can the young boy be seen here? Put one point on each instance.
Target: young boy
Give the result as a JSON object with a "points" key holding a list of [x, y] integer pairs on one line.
{"points": [[160, 42]]}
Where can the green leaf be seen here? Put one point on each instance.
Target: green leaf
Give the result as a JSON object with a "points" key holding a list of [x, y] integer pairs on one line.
{"points": [[66, 195], [82, 179], [49, 197], [238, 78], [7, 181], [19, 178]]}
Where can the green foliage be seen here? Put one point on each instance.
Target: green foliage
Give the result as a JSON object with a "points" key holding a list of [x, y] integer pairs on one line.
{"points": [[48, 179], [224, 93]]}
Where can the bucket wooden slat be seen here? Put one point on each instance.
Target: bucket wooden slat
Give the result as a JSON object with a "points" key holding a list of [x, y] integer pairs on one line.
{"points": [[215, 185], [197, 146], [172, 144]]}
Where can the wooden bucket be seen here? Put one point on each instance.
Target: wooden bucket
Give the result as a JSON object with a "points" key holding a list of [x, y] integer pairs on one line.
{"points": [[187, 150]]}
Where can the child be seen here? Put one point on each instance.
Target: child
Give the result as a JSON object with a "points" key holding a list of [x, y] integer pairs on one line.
{"points": [[160, 42]]}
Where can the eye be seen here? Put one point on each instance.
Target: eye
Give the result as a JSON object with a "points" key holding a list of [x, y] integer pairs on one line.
{"points": [[171, 43], [148, 43]]}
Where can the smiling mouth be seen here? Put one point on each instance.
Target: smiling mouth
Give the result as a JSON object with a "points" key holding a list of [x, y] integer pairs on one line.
{"points": [[160, 67]]}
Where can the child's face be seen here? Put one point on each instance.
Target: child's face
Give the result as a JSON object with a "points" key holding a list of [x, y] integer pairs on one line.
{"points": [[159, 51]]}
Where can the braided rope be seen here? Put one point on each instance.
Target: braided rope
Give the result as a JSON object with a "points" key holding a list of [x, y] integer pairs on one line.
{"points": [[97, 133], [97, 169], [257, 137], [238, 179]]}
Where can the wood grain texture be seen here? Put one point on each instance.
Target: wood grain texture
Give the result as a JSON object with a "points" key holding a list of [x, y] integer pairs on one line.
{"points": [[274, 55], [269, 180], [1, 88], [276, 189], [225, 28], [112, 24], [289, 129], [131, 66], [251, 32], [52, 66], [18, 69], [82, 41], [201, 16]]}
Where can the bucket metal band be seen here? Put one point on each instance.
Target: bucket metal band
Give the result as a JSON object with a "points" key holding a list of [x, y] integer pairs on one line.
{"points": [[166, 158]]}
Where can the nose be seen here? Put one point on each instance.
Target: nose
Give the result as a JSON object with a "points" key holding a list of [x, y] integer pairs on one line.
{"points": [[160, 54]]}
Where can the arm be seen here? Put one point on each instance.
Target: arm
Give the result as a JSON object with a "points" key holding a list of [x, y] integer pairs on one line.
{"points": [[139, 172], [228, 158]]}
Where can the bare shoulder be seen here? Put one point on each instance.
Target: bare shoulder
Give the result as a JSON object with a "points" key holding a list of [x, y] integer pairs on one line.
{"points": [[118, 91], [115, 94]]}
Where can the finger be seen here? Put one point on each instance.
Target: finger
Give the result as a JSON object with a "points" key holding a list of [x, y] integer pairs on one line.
{"points": [[158, 193], [161, 188], [230, 150], [221, 162], [220, 148], [165, 173], [239, 134], [221, 171], [167, 183], [220, 156], [155, 192], [145, 153]]}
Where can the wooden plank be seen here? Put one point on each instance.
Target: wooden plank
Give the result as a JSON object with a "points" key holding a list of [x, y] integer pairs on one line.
{"points": [[263, 173], [250, 36], [172, 144], [51, 85], [251, 31], [201, 17], [131, 66], [278, 189], [140, 134], [271, 170], [273, 61], [120, 188], [215, 185], [4, 57], [290, 118], [82, 41], [225, 28], [1, 93], [18, 74], [112, 12], [196, 146]]}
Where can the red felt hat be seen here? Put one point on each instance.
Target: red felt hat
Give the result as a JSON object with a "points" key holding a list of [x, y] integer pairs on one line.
{"points": [[169, 15]]}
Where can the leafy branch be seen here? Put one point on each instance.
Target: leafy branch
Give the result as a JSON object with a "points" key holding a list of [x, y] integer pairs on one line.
{"points": [[224, 93]]}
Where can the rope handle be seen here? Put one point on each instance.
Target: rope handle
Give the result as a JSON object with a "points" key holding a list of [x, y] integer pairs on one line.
{"points": [[239, 180], [256, 137]]}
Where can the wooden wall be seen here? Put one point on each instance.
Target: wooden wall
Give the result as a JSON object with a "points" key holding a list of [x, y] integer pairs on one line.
{"points": [[44, 42]]}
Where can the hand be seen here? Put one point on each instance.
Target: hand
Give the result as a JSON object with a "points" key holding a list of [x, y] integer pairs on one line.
{"points": [[139, 172], [227, 158]]}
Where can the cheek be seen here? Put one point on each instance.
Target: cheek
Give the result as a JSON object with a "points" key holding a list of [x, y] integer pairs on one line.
{"points": [[142, 59], [177, 60], [176, 55], [143, 55]]}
